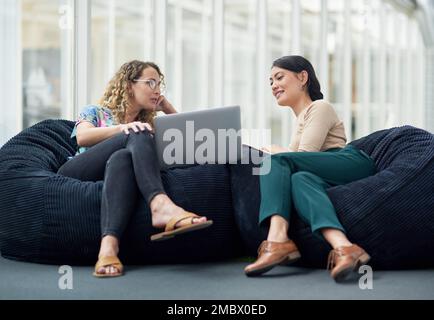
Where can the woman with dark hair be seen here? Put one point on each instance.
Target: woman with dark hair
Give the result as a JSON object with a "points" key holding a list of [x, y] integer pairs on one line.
{"points": [[317, 158], [115, 144]]}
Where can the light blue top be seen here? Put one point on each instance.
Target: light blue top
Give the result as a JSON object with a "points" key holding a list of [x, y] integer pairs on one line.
{"points": [[96, 115]]}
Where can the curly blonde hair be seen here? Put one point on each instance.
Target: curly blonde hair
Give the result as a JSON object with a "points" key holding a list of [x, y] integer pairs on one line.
{"points": [[117, 96]]}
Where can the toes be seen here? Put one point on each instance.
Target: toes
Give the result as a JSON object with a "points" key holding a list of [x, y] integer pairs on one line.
{"points": [[186, 222], [101, 270], [113, 270], [199, 220], [108, 270]]}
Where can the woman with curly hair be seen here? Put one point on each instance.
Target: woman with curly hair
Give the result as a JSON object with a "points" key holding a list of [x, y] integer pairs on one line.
{"points": [[116, 145]]}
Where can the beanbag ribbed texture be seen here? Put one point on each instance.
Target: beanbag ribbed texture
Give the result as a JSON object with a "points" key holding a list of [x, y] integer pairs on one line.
{"points": [[49, 218], [390, 214]]}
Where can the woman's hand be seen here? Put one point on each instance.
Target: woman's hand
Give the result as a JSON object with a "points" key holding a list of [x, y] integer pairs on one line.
{"points": [[164, 105], [274, 149], [136, 126]]}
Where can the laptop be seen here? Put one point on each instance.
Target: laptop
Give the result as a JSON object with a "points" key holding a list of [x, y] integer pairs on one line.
{"points": [[209, 136]]}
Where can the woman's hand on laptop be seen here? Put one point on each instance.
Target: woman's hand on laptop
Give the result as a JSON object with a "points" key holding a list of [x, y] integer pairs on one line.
{"points": [[136, 126], [274, 149], [164, 105]]}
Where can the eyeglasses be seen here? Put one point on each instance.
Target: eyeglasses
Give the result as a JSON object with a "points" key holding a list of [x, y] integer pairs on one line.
{"points": [[152, 83]]}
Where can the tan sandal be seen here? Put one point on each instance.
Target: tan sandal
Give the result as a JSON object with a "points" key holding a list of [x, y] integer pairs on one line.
{"points": [[170, 231], [108, 262]]}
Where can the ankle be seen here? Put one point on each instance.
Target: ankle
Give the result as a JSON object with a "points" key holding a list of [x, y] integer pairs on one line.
{"points": [[336, 238], [109, 246], [278, 231], [341, 244], [278, 237], [158, 202]]}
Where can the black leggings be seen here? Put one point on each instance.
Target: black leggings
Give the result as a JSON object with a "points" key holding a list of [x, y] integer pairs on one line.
{"points": [[128, 165]]}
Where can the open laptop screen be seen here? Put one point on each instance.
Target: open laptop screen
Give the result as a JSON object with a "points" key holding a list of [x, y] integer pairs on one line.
{"points": [[198, 137]]}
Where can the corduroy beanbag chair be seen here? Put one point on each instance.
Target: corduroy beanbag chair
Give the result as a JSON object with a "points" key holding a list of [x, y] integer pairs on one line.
{"points": [[390, 214], [49, 218]]}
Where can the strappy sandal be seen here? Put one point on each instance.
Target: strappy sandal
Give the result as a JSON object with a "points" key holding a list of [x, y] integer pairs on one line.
{"points": [[108, 262], [170, 231]]}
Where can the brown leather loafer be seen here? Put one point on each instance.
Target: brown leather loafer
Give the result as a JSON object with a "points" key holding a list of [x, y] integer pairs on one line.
{"points": [[271, 254], [344, 260]]}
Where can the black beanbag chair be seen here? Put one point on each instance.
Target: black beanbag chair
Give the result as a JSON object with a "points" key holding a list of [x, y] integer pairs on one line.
{"points": [[390, 214], [49, 218]]}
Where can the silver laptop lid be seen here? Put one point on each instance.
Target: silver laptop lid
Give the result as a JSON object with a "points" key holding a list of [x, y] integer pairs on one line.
{"points": [[198, 137]]}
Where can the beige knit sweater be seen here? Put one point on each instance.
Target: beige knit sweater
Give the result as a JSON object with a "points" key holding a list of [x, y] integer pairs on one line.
{"points": [[318, 128]]}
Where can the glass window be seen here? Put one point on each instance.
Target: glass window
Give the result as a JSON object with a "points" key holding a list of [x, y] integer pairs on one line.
{"points": [[392, 66], [121, 31], [46, 59], [10, 70], [335, 48], [311, 31], [376, 43], [279, 44], [428, 97], [189, 53], [387, 57], [240, 58], [360, 47]]}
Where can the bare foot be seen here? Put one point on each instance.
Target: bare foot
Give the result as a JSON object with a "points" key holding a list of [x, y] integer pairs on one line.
{"points": [[163, 209], [109, 248]]}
